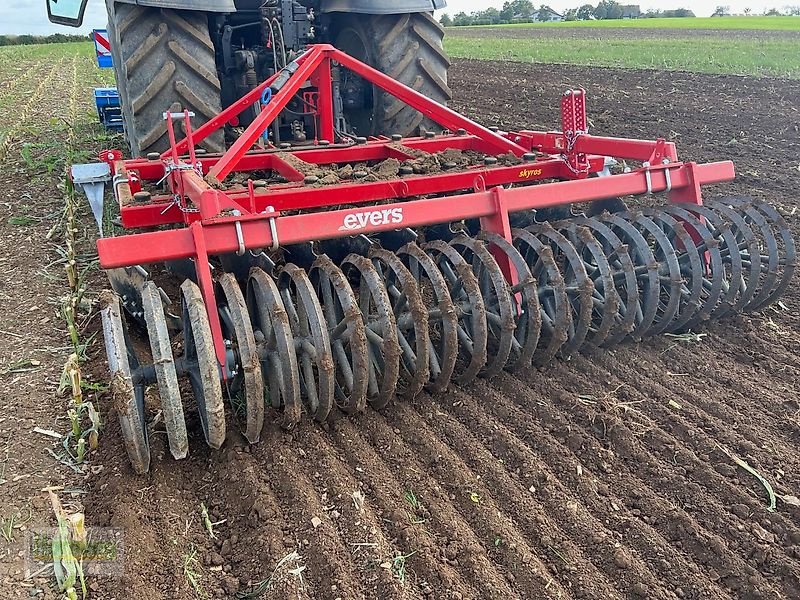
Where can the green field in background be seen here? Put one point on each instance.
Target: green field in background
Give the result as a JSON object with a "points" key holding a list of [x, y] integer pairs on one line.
{"points": [[765, 23], [739, 55]]}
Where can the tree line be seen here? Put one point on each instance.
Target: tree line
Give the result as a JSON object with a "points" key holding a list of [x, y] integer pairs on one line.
{"points": [[524, 11], [27, 40]]}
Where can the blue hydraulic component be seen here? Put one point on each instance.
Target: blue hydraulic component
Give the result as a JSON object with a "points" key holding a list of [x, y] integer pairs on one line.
{"points": [[109, 109]]}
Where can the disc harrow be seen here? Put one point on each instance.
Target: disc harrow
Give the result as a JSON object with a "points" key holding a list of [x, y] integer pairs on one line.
{"points": [[428, 286]]}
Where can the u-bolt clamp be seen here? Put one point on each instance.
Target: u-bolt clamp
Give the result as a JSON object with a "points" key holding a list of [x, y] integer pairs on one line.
{"points": [[648, 178], [273, 229], [239, 234], [667, 176]]}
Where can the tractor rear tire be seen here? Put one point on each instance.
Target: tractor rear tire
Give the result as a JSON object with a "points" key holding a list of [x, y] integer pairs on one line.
{"points": [[163, 61], [408, 48]]}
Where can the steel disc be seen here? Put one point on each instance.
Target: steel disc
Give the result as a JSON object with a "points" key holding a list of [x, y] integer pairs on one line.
{"points": [[276, 348], [466, 296], [525, 303], [555, 312], [745, 245], [411, 317], [712, 277], [691, 263], [730, 273], [441, 315], [605, 299], [669, 271], [776, 271], [623, 278], [249, 380], [646, 271], [496, 301], [204, 370], [309, 330], [164, 364], [787, 250], [383, 348], [346, 332], [128, 398], [579, 288]]}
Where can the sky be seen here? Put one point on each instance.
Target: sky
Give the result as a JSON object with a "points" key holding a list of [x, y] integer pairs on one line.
{"points": [[30, 16]]}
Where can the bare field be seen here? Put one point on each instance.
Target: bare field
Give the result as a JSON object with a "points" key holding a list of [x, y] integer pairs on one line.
{"points": [[607, 476], [678, 45]]}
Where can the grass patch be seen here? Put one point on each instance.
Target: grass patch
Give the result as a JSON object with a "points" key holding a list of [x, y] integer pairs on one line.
{"points": [[741, 56]]}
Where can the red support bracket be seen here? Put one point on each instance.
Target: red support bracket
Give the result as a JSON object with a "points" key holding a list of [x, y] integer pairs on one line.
{"points": [[206, 282], [498, 222], [574, 123], [691, 192]]}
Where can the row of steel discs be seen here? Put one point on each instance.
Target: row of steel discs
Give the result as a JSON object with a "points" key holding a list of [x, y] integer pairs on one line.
{"points": [[393, 323]]}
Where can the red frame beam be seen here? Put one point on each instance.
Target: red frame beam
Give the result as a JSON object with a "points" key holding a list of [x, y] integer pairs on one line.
{"points": [[221, 236]]}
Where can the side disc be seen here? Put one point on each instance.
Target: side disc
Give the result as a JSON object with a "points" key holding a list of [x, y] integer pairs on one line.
{"points": [[204, 372], [346, 332], [441, 314], [605, 298], [473, 334], [275, 344], [623, 278], [579, 288], [556, 316], [164, 364], [128, 399], [383, 347], [497, 303], [645, 268], [310, 333], [411, 317], [525, 303], [244, 346], [690, 264]]}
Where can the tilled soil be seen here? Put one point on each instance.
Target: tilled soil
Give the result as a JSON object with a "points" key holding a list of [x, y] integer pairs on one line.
{"points": [[606, 476]]}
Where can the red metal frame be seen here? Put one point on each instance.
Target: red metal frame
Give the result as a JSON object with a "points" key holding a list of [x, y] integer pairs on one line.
{"points": [[219, 221]]}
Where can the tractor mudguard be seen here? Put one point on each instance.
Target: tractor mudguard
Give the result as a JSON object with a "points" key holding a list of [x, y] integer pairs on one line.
{"points": [[370, 7], [223, 6]]}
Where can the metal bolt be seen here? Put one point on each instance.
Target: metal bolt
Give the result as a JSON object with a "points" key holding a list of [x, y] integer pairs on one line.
{"points": [[490, 160], [461, 131], [529, 157], [361, 140], [494, 128], [430, 135], [396, 137], [153, 156], [285, 146], [200, 151], [324, 143], [449, 165]]}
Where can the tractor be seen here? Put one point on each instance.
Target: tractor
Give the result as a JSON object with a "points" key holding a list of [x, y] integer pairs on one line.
{"points": [[206, 54]]}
